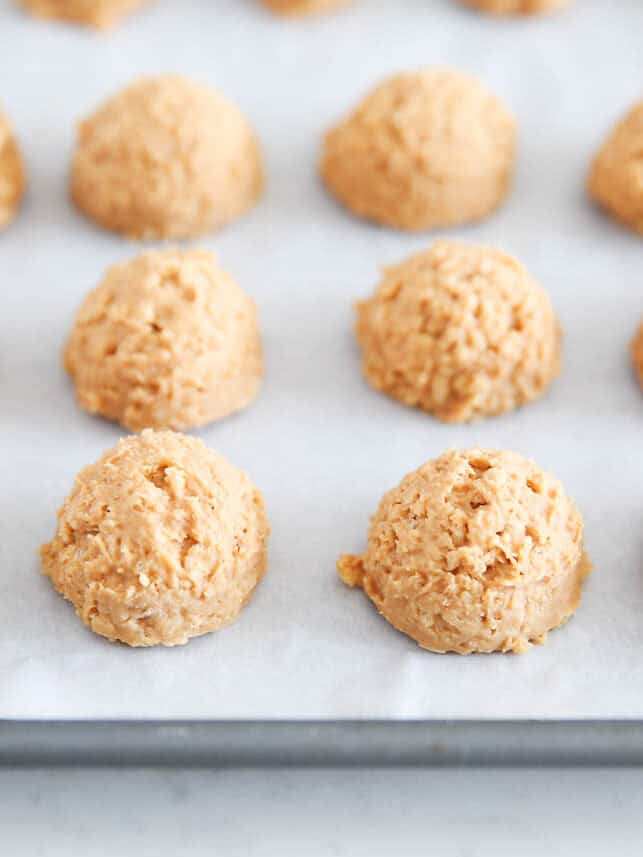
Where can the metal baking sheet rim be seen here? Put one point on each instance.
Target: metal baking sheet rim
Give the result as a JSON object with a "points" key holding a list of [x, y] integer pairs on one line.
{"points": [[340, 743]]}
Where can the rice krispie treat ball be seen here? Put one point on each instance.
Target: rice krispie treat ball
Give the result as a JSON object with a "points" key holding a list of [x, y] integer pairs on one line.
{"points": [[423, 150], [476, 551], [167, 340], [616, 176], [95, 13], [12, 174], [303, 7], [461, 331], [166, 158], [637, 353], [161, 540], [516, 7]]}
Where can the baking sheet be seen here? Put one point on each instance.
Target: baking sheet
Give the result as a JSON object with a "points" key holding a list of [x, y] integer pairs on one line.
{"points": [[320, 444]]}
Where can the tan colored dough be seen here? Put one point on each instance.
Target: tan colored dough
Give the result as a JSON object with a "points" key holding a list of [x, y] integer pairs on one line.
{"points": [[167, 340], [637, 354], [96, 13], [166, 158], [516, 7], [616, 176], [461, 331], [12, 174], [161, 540], [476, 551], [423, 150], [303, 7]]}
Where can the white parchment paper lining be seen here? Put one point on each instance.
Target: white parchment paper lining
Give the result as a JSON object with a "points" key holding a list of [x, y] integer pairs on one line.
{"points": [[321, 445]]}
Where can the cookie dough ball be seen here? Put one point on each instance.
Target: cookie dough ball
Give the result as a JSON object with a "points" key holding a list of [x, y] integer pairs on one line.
{"points": [[516, 7], [303, 7], [167, 340], [637, 354], [476, 551], [166, 158], [12, 175], [461, 331], [423, 150], [616, 176], [161, 540], [95, 13]]}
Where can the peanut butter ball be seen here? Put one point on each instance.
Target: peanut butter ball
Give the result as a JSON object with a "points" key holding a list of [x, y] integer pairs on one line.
{"points": [[167, 340], [303, 7], [12, 174], [423, 150], [516, 7], [161, 540], [616, 175], [476, 551], [166, 158], [95, 13], [637, 354], [461, 331]]}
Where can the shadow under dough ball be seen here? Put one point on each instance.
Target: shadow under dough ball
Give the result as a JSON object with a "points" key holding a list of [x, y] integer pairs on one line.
{"points": [[95, 13], [161, 540], [12, 174], [303, 7], [516, 7], [637, 354], [166, 158], [476, 551], [616, 175], [461, 331], [423, 150], [167, 340]]}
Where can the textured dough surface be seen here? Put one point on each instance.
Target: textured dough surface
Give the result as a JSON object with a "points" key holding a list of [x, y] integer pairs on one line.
{"points": [[616, 176], [427, 149], [161, 540], [96, 13], [476, 551], [166, 158], [167, 340], [461, 331], [12, 174], [516, 7], [303, 7], [637, 353]]}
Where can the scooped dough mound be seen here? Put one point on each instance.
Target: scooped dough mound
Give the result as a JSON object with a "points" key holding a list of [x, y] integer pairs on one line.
{"points": [[166, 158], [95, 13], [461, 331], [637, 353], [159, 541], [423, 150], [12, 175], [616, 176], [167, 340], [476, 551], [303, 7], [516, 7]]}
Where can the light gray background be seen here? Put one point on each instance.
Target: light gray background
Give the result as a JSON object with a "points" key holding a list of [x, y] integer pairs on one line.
{"points": [[321, 445]]}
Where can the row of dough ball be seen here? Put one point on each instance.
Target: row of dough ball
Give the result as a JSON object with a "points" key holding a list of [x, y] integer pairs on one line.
{"points": [[169, 340], [168, 158], [494, 7], [106, 13], [162, 540]]}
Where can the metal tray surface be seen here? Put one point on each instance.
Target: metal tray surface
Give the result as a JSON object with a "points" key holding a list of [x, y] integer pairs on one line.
{"points": [[322, 744], [310, 674]]}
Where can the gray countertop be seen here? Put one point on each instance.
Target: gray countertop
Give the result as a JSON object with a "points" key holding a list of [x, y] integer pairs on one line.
{"points": [[370, 813]]}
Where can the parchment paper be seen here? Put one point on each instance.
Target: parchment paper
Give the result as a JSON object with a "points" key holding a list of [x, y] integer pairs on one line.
{"points": [[321, 445]]}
